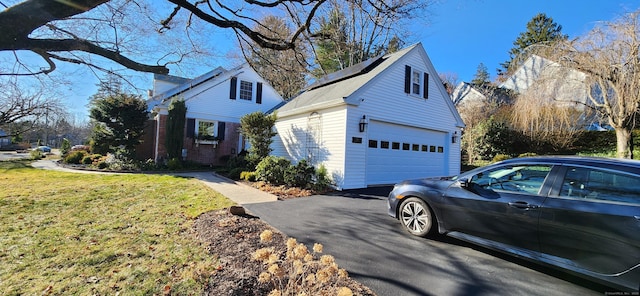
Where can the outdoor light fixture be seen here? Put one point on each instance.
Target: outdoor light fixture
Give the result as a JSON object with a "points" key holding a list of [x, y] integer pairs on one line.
{"points": [[363, 123], [454, 138]]}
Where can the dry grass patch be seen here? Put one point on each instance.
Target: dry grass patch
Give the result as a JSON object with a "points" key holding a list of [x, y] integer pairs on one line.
{"points": [[86, 234]]}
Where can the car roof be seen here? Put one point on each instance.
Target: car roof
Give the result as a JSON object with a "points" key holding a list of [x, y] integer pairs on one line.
{"points": [[603, 162]]}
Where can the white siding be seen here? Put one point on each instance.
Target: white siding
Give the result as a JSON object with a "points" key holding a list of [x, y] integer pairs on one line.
{"points": [[384, 100], [292, 140], [211, 101]]}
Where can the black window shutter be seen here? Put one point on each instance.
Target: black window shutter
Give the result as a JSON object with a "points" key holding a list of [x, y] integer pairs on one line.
{"points": [[425, 90], [407, 79], [221, 130], [259, 93], [191, 127], [234, 86]]}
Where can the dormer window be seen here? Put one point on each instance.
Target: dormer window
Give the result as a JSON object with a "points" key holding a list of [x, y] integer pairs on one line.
{"points": [[246, 90]]}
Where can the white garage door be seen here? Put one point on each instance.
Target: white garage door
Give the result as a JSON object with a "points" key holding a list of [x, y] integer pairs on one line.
{"points": [[396, 152]]}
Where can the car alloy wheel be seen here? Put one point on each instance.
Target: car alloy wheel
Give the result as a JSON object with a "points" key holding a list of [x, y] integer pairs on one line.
{"points": [[416, 216]]}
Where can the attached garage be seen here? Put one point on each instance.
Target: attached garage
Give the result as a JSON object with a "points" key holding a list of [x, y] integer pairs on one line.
{"points": [[382, 121], [397, 152]]}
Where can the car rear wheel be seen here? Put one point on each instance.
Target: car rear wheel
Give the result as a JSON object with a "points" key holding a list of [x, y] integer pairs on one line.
{"points": [[416, 217]]}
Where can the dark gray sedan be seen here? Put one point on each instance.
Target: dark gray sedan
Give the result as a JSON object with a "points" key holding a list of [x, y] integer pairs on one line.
{"points": [[580, 214]]}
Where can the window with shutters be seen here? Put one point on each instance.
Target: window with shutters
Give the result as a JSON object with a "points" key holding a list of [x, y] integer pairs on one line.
{"points": [[206, 131], [415, 82], [246, 90]]}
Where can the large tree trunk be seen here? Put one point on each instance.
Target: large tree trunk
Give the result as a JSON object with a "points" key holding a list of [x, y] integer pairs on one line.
{"points": [[624, 145]]}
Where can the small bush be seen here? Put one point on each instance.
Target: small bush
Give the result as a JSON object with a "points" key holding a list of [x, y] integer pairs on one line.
{"points": [[299, 175], [102, 164], [235, 173], [65, 147], [248, 176], [75, 157], [36, 154], [174, 164], [300, 271], [500, 157], [322, 181], [528, 154], [272, 169]]}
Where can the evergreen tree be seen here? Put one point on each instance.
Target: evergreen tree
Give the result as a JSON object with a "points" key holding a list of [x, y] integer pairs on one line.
{"points": [[482, 76], [175, 128], [119, 122], [540, 29], [257, 127]]}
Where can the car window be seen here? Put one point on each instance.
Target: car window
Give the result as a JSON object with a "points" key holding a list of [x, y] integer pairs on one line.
{"points": [[601, 185], [520, 178]]}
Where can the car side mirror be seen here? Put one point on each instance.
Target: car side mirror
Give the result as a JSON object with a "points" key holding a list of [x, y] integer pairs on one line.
{"points": [[464, 183]]}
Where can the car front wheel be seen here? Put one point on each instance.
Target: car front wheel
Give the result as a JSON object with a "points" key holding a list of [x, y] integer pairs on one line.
{"points": [[416, 217]]}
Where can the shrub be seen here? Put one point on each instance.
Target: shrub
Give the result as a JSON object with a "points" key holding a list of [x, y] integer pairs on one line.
{"points": [[528, 154], [248, 176], [234, 173], [299, 175], [322, 181], [239, 161], [174, 164], [102, 164], [65, 147], [272, 169], [36, 154], [300, 271], [75, 157], [500, 157]]}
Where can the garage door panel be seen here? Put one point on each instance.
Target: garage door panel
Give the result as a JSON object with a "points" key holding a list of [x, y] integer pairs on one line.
{"points": [[408, 153]]}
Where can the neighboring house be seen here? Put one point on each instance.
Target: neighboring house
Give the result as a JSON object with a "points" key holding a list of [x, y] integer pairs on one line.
{"points": [[4, 139], [469, 96], [215, 103], [537, 79], [549, 80], [378, 122]]}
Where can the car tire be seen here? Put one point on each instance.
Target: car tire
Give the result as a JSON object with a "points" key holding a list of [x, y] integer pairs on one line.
{"points": [[416, 217]]}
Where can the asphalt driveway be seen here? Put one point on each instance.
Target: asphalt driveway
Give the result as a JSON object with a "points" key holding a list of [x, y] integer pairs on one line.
{"points": [[354, 227]]}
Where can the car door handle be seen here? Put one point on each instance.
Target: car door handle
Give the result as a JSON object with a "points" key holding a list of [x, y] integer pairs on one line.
{"points": [[522, 205]]}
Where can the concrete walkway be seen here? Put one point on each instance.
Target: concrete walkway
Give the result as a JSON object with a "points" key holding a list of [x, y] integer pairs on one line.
{"points": [[235, 191]]}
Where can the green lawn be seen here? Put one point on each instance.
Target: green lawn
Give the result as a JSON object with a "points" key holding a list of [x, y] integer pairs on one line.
{"points": [[85, 234]]}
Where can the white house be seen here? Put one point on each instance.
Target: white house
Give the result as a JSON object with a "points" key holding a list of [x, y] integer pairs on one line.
{"points": [[548, 80], [378, 122], [215, 103]]}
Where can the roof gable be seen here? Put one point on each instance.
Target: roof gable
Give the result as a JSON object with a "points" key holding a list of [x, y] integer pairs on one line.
{"points": [[344, 86], [335, 88]]}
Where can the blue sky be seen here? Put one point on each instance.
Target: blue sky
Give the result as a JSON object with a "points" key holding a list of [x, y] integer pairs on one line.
{"points": [[465, 33]]}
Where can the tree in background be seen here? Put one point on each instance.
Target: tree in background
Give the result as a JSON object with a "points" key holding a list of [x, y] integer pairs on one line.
{"points": [[481, 77], [175, 128], [540, 29], [450, 81], [609, 57], [349, 32], [285, 70], [257, 127], [26, 108], [119, 122]]}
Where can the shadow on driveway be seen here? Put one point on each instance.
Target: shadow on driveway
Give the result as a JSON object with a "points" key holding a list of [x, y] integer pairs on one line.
{"points": [[378, 192]]}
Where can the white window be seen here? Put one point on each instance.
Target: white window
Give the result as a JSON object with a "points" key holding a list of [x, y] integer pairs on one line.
{"points": [[246, 90], [415, 82], [206, 130]]}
